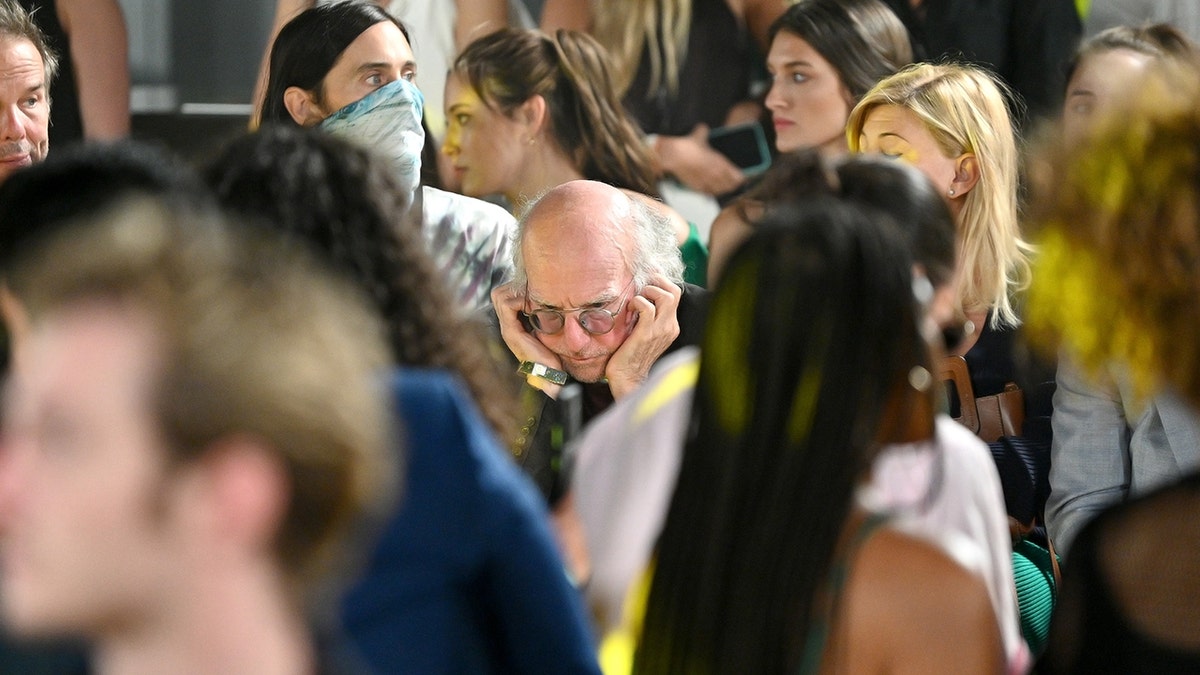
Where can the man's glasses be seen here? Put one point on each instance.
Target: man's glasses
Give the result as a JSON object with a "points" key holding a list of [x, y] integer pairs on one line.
{"points": [[594, 320]]}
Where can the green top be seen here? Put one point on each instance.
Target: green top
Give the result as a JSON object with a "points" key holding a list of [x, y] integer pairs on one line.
{"points": [[695, 258]]}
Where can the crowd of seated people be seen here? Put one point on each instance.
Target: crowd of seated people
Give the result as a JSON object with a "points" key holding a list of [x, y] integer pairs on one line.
{"points": [[930, 407]]}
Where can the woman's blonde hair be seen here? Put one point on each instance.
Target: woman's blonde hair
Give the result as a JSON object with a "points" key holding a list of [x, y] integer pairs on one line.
{"points": [[661, 25], [964, 109]]}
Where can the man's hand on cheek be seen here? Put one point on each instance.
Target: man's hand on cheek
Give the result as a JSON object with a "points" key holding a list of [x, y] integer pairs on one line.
{"points": [[654, 310], [510, 303]]}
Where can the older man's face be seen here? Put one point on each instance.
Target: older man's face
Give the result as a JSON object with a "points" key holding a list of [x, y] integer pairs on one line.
{"points": [[569, 270], [24, 106]]}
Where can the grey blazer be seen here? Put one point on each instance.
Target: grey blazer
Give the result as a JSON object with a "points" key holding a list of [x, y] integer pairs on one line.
{"points": [[1108, 446]]}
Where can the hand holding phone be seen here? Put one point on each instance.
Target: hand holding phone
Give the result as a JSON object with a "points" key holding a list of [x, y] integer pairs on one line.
{"points": [[696, 165], [743, 144]]}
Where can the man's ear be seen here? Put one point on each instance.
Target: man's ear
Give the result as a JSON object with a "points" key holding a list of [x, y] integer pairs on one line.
{"points": [[302, 106], [532, 115], [966, 175], [249, 491]]}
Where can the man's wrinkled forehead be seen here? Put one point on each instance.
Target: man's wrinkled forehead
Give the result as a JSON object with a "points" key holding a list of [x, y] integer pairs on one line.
{"points": [[575, 266], [569, 235], [20, 60]]}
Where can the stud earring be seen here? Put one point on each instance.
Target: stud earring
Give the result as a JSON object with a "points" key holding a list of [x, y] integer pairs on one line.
{"points": [[951, 192]]}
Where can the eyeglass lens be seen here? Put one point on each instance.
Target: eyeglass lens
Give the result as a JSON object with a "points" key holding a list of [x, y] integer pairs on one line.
{"points": [[594, 321]]}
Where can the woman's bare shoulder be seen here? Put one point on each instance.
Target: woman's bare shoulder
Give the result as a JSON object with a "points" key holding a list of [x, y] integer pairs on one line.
{"points": [[930, 611], [728, 231]]}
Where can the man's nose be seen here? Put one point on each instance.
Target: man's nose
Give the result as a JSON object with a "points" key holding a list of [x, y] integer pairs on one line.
{"points": [[13, 477], [11, 126], [575, 337]]}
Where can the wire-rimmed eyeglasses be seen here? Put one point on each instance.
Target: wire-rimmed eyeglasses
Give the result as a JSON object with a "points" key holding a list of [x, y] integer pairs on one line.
{"points": [[594, 320]]}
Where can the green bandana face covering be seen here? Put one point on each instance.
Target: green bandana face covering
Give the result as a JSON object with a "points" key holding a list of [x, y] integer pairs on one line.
{"points": [[387, 122]]}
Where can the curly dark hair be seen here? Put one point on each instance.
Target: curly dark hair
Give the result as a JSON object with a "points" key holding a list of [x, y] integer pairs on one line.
{"points": [[892, 187], [345, 202]]}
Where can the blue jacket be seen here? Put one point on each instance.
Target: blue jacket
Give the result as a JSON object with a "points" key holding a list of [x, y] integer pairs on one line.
{"points": [[466, 578]]}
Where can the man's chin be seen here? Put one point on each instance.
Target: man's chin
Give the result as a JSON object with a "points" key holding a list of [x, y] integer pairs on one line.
{"points": [[587, 370], [25, 618], [10, 165]]}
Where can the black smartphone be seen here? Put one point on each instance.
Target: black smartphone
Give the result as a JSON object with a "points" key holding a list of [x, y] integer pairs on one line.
{"points": [[743, 144]]}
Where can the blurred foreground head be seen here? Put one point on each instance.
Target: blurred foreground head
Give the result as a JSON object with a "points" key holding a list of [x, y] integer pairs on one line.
{"points": [[200, 407], [1118, 273], [80, 181]]}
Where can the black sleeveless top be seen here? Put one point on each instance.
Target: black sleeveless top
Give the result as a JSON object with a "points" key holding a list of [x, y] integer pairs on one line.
{"points": [[715, 74], [66, 124], [1130, 582]]}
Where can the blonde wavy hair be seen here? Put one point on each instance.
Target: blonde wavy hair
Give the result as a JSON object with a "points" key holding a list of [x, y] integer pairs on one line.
{"points": [[663, 25], [964, 109]]}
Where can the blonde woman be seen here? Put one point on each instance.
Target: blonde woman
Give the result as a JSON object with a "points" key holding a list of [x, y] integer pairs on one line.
{"points": [[952, 122]]}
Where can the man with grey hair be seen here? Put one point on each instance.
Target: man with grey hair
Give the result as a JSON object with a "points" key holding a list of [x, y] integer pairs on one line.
{"points": [[26, 67], [597, 299]]}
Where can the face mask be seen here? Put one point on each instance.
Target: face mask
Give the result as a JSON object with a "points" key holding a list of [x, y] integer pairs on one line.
{"points": [[388, 122]]}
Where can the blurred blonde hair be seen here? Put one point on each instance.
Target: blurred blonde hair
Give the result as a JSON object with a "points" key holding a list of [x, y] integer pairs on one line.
{"points": [[1118, 229], [964, 109], [662, 25]]}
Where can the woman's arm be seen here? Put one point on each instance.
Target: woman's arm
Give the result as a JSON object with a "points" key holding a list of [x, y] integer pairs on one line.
{"points": [[693, 162], [100, 55], [728, 232], [569, 14], [477, 18], [759, 15]]}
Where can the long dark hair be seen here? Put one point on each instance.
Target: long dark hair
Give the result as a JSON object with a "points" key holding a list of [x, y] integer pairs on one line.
{"points": [[811, 335], [571, 71], [863, 40], [344, 201], [307, 47]]}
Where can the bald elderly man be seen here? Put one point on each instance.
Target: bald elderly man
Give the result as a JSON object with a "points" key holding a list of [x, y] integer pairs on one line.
{"points": [[597, 299]]}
